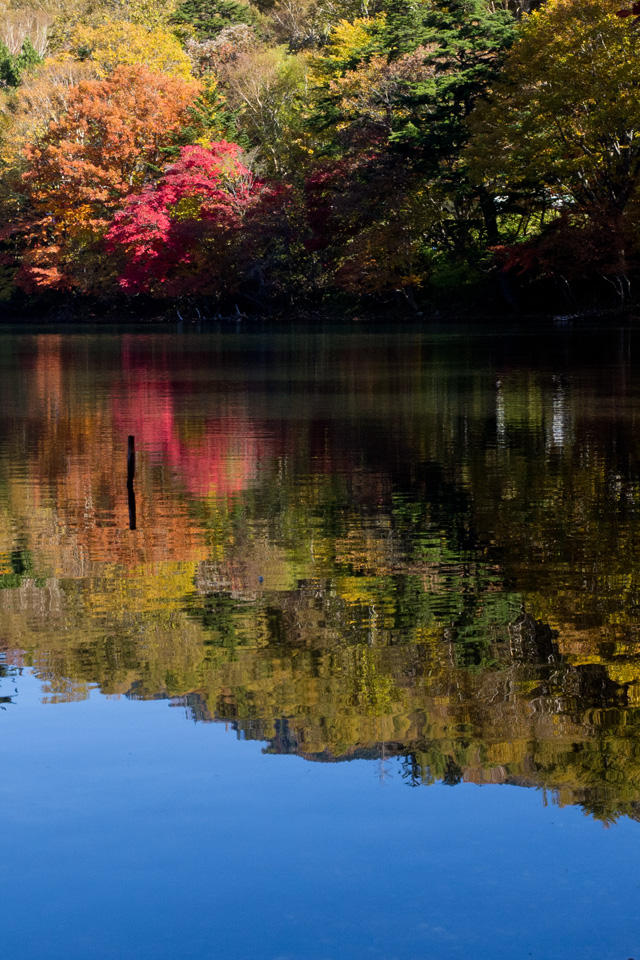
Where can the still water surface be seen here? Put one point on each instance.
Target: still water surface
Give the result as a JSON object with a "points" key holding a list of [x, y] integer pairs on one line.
{"points": [[416, 551]]}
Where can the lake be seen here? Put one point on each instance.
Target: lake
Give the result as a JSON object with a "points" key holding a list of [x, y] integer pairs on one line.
{"points": [[350, 670]]}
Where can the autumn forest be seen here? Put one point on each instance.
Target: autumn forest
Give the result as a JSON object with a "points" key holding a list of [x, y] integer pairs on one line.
{"points": [[248, 156]]}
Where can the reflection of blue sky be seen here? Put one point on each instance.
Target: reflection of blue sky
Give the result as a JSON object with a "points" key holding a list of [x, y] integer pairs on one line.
{"points": [[132, 835]]}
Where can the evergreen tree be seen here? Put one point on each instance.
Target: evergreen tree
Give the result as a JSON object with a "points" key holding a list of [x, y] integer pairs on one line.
{"points": [[12, 67], [208, 17], [465, 42]]}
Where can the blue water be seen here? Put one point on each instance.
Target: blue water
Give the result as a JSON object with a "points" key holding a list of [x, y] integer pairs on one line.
{"points": [[130, 832]]}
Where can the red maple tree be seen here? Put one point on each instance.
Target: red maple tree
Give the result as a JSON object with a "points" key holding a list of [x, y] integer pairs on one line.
{"points": [[176, 236]]}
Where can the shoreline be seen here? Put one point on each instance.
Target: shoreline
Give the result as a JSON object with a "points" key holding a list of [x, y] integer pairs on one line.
{"points": [[85, 313]]}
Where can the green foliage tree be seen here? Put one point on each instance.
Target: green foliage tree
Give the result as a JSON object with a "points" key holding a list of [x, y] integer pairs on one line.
{"points": [[12, 67], [207, 18], [464, 42], [394, 93]]}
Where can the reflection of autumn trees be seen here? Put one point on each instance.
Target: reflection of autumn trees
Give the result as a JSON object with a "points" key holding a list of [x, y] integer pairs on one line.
{"points": [[570, 541], [423, 555], [66, 505], [77, 463]]}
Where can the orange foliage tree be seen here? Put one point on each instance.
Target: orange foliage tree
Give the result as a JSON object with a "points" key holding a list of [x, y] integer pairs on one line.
{"points": [[109, 143]]}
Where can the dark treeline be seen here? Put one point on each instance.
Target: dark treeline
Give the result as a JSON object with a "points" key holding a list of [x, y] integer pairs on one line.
{"points": [[220, 154]]}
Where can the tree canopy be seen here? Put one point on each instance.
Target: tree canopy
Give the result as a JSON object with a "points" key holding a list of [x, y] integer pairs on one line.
{"points": [[424, 147]]}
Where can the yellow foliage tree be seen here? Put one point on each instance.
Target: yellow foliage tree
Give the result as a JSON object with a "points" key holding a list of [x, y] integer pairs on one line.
{"points": [[148, 13], [116, 43], [566, 117], [67, 15], [351, 42]]}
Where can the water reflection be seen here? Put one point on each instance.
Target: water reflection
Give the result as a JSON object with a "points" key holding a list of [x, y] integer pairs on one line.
{"points": [[346, 544], [10, 665]]}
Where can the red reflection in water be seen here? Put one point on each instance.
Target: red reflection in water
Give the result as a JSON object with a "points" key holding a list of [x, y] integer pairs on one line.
{"points": [[216, 455]]}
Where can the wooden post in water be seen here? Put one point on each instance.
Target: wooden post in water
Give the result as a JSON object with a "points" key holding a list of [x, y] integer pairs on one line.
{"points": [[131, 472], [131, 459]]}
